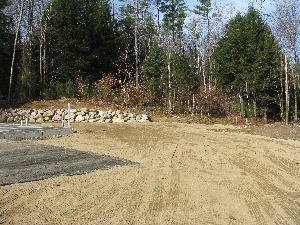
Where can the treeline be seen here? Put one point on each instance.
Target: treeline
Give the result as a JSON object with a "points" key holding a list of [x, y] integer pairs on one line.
{"points": [[153, 53]]}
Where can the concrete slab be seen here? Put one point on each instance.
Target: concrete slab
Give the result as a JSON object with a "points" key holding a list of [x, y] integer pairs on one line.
{"points": [[17, 132], [22, 162]]}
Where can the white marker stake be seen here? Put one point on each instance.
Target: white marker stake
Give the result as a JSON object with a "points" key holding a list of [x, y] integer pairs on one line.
{"points": [[26, 122], [21, 123], [63, 120], [69, 115]]}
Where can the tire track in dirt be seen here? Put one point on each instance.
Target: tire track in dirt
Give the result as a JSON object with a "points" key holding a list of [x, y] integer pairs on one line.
{"points": [[288, 166], [286, 210], [187, 175], [265, 184]]}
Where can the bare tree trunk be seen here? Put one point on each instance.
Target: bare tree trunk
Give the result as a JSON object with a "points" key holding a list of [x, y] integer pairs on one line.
{"points": [[287, 101], [209, 51], [296, 103], [241, 105], [113, 9], [136, 47], [21, 10], [209, 82], [265, 115], [204, 77], [174, 99], [44, 48], [45, 41], [28, 48], [281, 98], [295, 94], [30, 33], [170, 83], [158, 13], [41, 61], [194, 104], [247, 111], [255, 109]]}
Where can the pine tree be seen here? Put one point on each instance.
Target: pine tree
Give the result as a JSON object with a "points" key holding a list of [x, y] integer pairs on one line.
{"points": [[247, 62], [174, 16], [203, 10], [155, 72], [81, 40], [185, 78]]}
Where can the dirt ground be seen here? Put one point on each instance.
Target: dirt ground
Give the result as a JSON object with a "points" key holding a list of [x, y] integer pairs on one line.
{"points": [[188, 174], [276, 131], [23, 162]]}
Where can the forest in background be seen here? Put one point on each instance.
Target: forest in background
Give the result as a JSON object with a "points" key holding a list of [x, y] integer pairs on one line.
{"points": [[207, 60]]}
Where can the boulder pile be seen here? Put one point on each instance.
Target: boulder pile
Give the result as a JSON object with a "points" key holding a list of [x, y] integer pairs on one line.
{"points": [[76, 115]]}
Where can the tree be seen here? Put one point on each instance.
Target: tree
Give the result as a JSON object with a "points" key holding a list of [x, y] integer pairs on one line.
{"points": [[203, 10], [155, 72], [125, 62], [287, 27], [173, 21], [247, 62], [136, 43], [186, 79], [81, 40], [17, 30], [174, 16], [5, 48]]}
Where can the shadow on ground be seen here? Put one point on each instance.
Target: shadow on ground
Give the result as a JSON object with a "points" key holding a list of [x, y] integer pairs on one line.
{"points": [[21, 162]]}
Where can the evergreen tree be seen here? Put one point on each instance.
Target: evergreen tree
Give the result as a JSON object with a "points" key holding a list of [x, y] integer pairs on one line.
{"points": [[125, 62], [203, 9], [130, 38], [155, 72], [186, 79], [5, 49], [174, 16], [81, 40], [247, 61]]}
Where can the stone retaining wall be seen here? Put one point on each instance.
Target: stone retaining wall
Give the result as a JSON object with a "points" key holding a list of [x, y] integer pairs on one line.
{"points": [[76, 115]]}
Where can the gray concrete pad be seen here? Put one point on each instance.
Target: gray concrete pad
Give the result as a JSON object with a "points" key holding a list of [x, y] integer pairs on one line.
{"points": [[21, 162], [17, 132]]}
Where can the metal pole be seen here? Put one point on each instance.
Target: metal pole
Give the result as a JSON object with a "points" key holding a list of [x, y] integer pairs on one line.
{"points": [[69, 115]]}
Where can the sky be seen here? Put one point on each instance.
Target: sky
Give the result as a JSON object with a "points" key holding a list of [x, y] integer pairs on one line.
{"points": [[239, 5]]}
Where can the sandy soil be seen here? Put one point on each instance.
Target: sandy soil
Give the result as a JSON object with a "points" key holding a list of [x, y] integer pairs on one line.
{"points": [[188, 174], [276, 131]]}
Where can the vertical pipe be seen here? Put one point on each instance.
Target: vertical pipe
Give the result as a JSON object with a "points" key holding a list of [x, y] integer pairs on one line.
{"points": [[63, 120], [69, 115]]}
